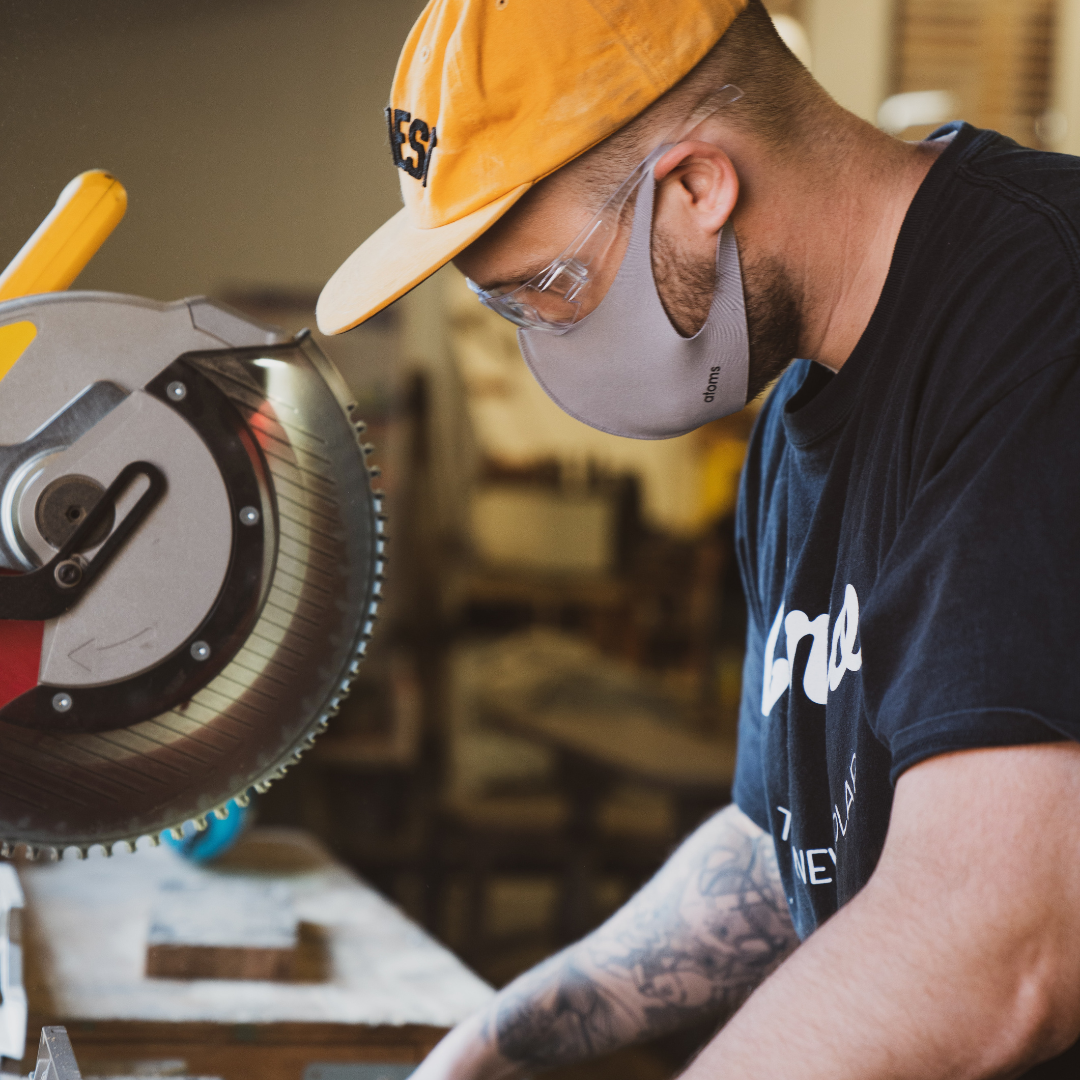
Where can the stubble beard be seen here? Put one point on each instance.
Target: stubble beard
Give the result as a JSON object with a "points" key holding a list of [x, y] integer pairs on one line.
{"points": [[773, 312]]}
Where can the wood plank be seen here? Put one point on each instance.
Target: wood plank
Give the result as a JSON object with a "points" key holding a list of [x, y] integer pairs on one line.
{"points": [[222, 930]]}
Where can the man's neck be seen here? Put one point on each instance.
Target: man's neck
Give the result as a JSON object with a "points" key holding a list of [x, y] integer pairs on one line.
{"points": [[830, 215]]}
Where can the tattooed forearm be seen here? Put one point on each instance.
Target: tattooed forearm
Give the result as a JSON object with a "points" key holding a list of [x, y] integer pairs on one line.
{"points": [[691, 945]]}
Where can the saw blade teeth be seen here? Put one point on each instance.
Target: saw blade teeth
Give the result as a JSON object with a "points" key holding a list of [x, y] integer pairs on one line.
{"points": [[130, 845], [31, 853], [221, 812], [200, 823], [155, 839], [81, 852], [177, 832], [7, 850], [243, 800], [108, 849]]}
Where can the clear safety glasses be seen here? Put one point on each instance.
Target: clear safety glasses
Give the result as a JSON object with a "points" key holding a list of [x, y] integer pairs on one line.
{"points": [[553, 299]]}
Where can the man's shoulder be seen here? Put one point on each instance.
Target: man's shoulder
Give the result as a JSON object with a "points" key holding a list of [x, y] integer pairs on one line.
{"points": [[992, 290], [1043, 182]]}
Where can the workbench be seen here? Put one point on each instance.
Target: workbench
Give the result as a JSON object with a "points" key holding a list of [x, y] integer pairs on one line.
{"points": [[372, 987]]}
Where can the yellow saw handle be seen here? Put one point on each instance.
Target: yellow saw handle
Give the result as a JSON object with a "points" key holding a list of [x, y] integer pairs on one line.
{"points": [[88, 209]]}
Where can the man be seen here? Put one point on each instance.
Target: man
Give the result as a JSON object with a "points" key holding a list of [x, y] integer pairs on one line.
{"points": [[671, 208]]}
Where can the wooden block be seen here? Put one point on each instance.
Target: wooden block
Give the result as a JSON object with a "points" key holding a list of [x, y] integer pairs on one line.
{"points": [[222, 929]]}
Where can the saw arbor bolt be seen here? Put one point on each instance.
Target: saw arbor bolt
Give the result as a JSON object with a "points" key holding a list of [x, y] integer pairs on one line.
{"points": [[68, 574], [63, 507]]}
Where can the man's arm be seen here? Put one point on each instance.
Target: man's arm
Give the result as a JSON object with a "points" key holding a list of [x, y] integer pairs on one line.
{"points": [[692, 944], [961, 956]]}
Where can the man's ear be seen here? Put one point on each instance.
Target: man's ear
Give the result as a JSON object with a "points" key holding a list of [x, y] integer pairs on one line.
{"points": [[697, 183]]}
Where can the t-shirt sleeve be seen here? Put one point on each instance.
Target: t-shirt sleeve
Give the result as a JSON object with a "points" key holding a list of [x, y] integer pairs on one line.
{"points": [[970, 633]]}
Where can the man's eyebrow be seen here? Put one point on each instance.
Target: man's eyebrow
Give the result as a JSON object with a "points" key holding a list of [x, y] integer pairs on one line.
{"points": [[515, 277]]}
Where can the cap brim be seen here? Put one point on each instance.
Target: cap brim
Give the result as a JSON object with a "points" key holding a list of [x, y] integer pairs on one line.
{"points": [[395, 259]]}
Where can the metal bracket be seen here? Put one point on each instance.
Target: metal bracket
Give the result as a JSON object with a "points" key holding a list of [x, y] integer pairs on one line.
{"points": [[57, 586], [55, 1058]]}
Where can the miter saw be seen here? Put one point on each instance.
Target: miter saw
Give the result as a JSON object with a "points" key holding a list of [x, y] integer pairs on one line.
{"points": [[191, 551]]}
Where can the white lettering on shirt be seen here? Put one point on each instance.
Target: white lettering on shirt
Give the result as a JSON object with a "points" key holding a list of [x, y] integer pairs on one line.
{"points": [[825, 667], [804, 860], [799, 859], [817, 872], [840, 827], [787, 822], [777, 672], [843, 639], [815, 681]]}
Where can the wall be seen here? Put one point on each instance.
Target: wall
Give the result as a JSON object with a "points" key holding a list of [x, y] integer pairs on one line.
{"points": [[249, 133], [851, 42], [1067, 77]]}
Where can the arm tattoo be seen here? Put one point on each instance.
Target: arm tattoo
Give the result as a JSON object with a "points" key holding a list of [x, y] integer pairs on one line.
{"points": [[692, 945]]}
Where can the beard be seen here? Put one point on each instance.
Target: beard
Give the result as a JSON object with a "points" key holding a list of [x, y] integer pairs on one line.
{"points": [[773, 315]]}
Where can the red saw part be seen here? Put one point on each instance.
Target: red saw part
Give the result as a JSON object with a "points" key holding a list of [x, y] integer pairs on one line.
{"points": [[20, 655], [20, 658]]}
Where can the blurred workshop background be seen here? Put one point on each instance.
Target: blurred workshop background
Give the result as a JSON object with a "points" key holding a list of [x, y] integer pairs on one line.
{"points": [[552, 699]]}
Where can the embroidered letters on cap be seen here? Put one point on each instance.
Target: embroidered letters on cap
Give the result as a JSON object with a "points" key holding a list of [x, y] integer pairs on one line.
{"points": [[417, 134]]}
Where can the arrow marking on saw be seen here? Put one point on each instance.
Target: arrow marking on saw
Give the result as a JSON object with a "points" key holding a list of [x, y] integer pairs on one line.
{"points": [[84, 654]]}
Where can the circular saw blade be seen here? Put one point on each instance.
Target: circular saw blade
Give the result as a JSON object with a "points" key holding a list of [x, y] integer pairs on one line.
{"points": [[289, 663]]}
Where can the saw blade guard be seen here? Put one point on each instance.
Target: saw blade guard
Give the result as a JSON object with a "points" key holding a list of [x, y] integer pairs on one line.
{"points": [[221, 636]]}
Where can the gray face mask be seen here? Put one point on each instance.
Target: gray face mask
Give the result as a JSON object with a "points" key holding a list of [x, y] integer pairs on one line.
{"points": [[626, 370]]}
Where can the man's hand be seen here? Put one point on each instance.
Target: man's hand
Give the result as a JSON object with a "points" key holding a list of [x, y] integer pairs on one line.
{"points": [[692, 944], [961, 956]]}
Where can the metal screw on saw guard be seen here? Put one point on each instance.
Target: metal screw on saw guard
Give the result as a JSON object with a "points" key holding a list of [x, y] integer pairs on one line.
{"points": [[249, 516], [68, 574], [176, 390], [62, 702], [200, 650]]}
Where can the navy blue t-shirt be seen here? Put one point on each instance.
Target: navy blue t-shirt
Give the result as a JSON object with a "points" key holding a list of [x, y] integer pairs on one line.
{"points": [[909, 528]]}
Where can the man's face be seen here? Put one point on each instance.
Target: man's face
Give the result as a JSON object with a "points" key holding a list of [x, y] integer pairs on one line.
{"points": [[696, 195]]}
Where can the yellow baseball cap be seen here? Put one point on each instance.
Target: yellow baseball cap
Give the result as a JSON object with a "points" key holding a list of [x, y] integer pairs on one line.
{"points": [[491, 96]]}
